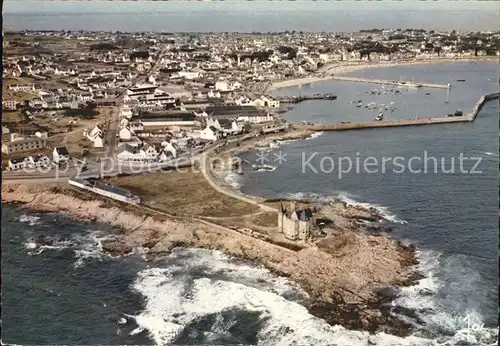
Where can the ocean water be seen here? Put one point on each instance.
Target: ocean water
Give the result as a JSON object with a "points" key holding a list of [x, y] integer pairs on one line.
{"points": [[451, 216], [72, 293], [248, 16]]}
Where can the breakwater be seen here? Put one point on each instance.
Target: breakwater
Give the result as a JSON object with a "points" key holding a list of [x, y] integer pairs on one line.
{"points": [[390, 82], [298, 99], [482, 100], [471, 116]]}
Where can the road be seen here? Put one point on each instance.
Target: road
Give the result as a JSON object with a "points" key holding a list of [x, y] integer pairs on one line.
{"points": [[106, 168], [111, 141], [109, 167]]}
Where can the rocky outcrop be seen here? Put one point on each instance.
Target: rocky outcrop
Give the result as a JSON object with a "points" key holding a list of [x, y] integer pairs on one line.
{"points": [[344, 285]]}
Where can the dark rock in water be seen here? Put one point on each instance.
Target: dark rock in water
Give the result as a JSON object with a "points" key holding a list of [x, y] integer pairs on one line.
{"points": [[426, 292], [388, 292], [399, 310], [378, 229], [116, 248], [44, 240], [372, 317], [150, 244]]}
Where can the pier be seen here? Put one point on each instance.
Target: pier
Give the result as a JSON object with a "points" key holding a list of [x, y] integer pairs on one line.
{"points": [[298, 99], [471, 116], [389, 82]]}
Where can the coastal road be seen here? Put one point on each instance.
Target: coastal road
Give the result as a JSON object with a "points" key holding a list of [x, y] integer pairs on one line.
{"points": [[205, 170]]}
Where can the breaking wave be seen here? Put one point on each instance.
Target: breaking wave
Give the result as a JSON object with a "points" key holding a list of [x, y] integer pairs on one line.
{"points": [[315, 135], [349, 199], [234, 180], [202, 296], [90, 248], [86, 246], [445, 302], [31, 220]]}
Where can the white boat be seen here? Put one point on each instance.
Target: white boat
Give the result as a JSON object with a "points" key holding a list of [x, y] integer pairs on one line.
{"points": [[380, 116], [263, 168]]}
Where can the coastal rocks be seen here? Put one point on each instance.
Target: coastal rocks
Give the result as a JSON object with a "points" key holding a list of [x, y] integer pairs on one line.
{"points": [[116, 248], [339, 275]]}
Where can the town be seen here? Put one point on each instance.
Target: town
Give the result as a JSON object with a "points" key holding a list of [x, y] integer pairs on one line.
{"points": [[70, 98]]}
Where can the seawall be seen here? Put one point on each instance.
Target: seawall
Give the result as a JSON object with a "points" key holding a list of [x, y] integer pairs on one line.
{"points": [[404, 122], [389, 82]]}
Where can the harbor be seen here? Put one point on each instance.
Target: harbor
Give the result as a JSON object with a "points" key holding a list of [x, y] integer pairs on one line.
{"points": [[343, 126], [391, 82], [298, 99]]}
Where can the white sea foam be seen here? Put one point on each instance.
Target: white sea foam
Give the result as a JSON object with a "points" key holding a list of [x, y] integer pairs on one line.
{"points": [[176, 298], [32, 220], [441, 308], [90, 247], [287, 141], [37, 249], [383, 210], [349, 199], [85, 246], [234, 180], [315, 135], [30, 245]]}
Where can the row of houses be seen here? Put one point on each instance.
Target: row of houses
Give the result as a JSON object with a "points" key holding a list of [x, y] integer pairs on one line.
{"points": [[59, 155]]}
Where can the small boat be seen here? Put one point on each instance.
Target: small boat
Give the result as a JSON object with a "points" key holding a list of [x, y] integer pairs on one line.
{"points": [[263, 168], [427, 93], [459, 113], [379, 117], [460, 80]]}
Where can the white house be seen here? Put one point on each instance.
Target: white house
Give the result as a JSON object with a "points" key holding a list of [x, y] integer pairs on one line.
{"points": [[168, 152], [229, 126], [244, 101], [60, 155], [10, 104], [222, 85], [171, 148], [210, 133], [129, 153], [212, 94], [18, 163], [40, 161], [125, 133], [96, 135], [268, 102], [190, 74], [22, 87]]}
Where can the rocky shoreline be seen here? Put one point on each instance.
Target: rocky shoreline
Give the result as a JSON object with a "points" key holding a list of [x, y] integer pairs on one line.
{"points": [[351, 287]]}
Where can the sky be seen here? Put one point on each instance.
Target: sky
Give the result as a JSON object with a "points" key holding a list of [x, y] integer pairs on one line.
{"points": [[48, 6]]}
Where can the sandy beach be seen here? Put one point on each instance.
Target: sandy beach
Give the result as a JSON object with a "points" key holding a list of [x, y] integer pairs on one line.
{"points": [[325, 72]]}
